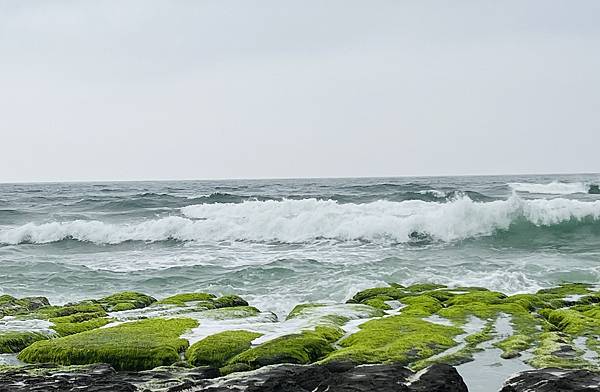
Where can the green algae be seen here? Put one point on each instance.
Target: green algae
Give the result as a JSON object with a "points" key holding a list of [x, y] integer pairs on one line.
{"points": [[573, 322], [68, 310], [391, 293], [69, 328], [567, 289], [15, 341], [301, 348], [126, 299], [229, 301], [10, 305], [231, 312], [182, 299], [421, 287], [136, 345], [216, 350], [401, 338], [555, 350]]}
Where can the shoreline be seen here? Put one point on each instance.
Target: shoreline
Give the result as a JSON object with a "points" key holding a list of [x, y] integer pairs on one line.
{"points": [[416, 327]]}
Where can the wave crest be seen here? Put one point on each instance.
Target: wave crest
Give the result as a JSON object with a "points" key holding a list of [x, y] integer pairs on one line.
{"points": [[306, 220], [552, 188]]}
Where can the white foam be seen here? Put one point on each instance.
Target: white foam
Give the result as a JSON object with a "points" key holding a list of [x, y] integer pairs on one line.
{"points": [[552, 188], [295, 221]]}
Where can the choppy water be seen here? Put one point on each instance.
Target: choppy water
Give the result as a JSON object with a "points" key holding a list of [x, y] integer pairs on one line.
{"points": [[280, 242]]}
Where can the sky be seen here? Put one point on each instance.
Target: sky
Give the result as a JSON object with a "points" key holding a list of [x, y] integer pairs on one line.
{"points": [[207, 89]]}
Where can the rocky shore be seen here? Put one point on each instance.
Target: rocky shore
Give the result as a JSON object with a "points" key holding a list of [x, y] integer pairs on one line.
{"points": [[424, 337]]}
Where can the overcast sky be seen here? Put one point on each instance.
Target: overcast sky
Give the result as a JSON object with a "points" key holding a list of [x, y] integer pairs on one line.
{"points": [[119, 90]]}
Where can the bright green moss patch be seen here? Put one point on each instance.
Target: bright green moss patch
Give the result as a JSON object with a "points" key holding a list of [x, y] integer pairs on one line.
{"points": [[70, 328], [232, 312], [567, 289], [302, 348], [67, 310], [421, 306], [485, 297], [513, 345], [572, 321], [13, 342], [182, 299], [129, 299], [420, 287], [216, 350], [388, 292], [555, 350], [400, 338], [133, 346]]}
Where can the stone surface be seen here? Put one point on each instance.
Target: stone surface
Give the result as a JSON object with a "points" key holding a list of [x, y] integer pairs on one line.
{"points": [[341, 377], [554, 380], [332, 377]]}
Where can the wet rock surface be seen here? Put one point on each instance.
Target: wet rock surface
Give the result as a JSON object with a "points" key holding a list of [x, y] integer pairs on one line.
{"points": [[554, 380], [333, 377]]}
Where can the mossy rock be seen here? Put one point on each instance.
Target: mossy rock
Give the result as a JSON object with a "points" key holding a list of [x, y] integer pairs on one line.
{"points": [[302, 308], [183, 299], [130, 346], [228, 301], [402, 339], [393, 293], [13, 341], [231, 313], [421, 287], [567, 289], [66, 327], [555, 350], [301, 348], [216, 350], [10, 305], [70, 309], [126, 299]]}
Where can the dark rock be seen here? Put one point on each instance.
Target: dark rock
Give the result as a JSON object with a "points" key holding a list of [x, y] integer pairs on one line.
{"points": [[341, 377], [100, 378], [553, 380], [594, 189], [439, 378], [332, 377]]}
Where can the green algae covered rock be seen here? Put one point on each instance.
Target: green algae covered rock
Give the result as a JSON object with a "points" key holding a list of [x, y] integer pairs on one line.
{"points": [[183, 299], [216, 350], [402, 339], [10, 305], [231, 312], [204, 300], [301, 348], [15, 341], [78, 322], [130, 346], [126, 300], [229, 301]]}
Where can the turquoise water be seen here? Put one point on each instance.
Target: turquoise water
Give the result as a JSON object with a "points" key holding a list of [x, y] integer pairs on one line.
{"points": [[281, 242]]}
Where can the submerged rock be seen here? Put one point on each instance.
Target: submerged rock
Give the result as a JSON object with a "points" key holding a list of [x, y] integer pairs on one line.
{"points": [[553, 380]]}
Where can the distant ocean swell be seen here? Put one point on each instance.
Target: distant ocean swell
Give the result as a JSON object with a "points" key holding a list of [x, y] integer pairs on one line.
{"points": [[297, 221], [552, 188]]}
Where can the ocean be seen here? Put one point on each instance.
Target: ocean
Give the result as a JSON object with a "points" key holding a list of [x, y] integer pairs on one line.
{"points": [[282, 242]]}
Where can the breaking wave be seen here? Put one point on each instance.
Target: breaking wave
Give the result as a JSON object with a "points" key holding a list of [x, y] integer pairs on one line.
{"points": [[295, 221], [552, 188]]}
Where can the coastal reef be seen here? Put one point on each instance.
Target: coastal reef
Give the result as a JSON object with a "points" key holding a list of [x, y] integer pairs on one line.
{"points": [[198, 336]]}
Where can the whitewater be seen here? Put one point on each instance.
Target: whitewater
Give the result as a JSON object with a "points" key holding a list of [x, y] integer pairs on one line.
{"points": [[297, 240]]}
